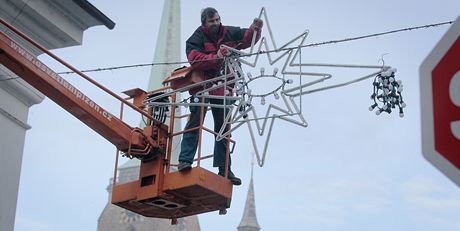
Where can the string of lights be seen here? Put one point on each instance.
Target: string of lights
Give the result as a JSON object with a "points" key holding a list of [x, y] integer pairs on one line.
{"points": [[260, 52]]}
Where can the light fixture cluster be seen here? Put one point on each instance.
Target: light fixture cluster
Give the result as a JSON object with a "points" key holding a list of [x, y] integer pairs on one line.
{"points": [[160, 112], [387, 94]]}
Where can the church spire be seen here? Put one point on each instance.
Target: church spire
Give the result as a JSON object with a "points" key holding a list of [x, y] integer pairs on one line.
{"points": [[168, 50], [168, 44], [249, 219]]}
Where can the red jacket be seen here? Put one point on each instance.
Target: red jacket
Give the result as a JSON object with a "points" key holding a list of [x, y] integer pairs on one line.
{"points": [[203, 45]]}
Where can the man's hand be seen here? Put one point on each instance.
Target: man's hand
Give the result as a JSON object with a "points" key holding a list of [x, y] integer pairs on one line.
{"points": [[223, 52], [257, 24]]}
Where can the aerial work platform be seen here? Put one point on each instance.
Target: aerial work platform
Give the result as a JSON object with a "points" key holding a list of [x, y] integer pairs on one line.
{"points": [[197, 191], [158, 192]]}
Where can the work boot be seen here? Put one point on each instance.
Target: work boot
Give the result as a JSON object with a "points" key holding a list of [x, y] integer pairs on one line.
{"points": [[235, 180], [184, 166]]}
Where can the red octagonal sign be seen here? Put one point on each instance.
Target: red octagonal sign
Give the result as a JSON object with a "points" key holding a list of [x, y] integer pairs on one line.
{"points": [[440, 104]]}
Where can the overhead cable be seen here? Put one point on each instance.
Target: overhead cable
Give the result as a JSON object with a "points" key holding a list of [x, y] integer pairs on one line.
{"points": [[277, 50], [263, 52]]}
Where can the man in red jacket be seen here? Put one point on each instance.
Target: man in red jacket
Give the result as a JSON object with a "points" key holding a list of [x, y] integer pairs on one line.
{"points": [[204, 53]]}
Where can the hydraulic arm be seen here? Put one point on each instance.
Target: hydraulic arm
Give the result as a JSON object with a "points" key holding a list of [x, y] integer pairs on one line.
{"points": [[135, 142], [158, 192]]}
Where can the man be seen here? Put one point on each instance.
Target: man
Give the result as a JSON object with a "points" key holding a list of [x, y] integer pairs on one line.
{"points": [[204, 53]]}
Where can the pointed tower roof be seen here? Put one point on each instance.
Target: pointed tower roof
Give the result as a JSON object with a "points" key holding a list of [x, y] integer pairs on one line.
{"points": [[168, 44], [168, 50], [249, 219]]}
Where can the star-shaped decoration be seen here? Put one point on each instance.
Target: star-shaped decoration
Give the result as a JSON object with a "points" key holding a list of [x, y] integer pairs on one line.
{"points": [[287, 108], [287, 92]]}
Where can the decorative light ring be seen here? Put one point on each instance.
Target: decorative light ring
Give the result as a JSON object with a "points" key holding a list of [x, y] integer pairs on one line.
{"points": [[244, 89]]}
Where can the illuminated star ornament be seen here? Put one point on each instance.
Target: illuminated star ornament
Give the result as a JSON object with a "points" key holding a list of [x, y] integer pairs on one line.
{"points": [[258, 100]]}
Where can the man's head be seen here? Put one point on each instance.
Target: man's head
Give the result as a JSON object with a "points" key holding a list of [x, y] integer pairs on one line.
{"points": [[210, 19]]}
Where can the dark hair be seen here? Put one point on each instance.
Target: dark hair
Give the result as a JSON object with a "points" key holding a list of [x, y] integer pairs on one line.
{"points": [[207, 12]]}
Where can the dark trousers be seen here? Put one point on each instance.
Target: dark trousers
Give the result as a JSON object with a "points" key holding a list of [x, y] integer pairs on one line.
{"points": [[189, 142]]}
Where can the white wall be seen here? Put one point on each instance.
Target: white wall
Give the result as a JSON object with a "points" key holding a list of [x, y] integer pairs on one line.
{"points": [[54, 24], [14, 109]]}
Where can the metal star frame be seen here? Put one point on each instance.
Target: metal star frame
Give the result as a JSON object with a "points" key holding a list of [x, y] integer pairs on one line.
{"points": [[241, 106]]}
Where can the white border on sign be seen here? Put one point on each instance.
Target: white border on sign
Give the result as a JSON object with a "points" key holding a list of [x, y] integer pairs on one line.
{"points": [[427, 123]]}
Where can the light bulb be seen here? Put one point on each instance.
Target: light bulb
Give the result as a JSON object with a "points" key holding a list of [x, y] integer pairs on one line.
{"points": [[377, 112], [249, 75], [403, 104], [262, 101], [196, 100], [371, 108], [237, 85], [289, 81], [275, 71], [262, 71], [401, 113], [276, 95]]}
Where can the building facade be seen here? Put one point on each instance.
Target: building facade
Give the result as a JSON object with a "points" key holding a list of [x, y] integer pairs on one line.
{"points": [[54, 24]]}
